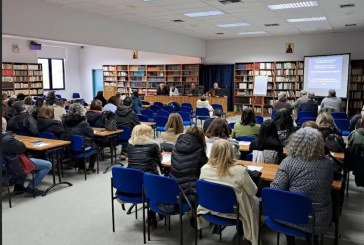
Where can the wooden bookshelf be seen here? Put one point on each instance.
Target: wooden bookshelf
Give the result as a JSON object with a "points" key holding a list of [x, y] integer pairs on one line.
{"points": [[146, 78], [282, 77], [356, 87], [26, 78]]}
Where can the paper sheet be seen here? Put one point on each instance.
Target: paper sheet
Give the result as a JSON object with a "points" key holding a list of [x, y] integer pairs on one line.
{"points": [[39, 143], [244, 142], [254, 168]]}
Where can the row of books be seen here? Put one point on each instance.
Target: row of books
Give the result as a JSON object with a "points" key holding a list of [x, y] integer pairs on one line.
{"points": [[36, 85], [356, 95], [357, 78], [356, 71], [35, 78], [20, 73], [35, 73], [357, 86], [6, 66]]}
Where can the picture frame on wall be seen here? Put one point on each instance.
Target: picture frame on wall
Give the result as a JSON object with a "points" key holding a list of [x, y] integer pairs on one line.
{"points": [[289, 48]]}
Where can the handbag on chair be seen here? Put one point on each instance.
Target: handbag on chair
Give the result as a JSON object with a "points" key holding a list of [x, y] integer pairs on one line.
{"points": [[27, 164]]}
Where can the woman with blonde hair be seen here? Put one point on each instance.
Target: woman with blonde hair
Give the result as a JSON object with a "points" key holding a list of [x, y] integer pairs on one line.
{"points": [[222, 169], [308, 171], [174, 127], [327, 125]]}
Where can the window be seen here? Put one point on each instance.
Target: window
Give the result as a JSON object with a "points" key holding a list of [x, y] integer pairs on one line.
{"points": [[53, 73]]}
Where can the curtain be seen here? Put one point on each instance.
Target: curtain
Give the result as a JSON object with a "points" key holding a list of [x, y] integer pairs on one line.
{"points": [[221, 74]]}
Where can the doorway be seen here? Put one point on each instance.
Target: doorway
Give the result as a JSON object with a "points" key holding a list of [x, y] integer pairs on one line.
{"points": [[97, 81]]}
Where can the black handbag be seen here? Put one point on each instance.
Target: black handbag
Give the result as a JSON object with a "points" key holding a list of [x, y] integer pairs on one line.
{"points": [[109, 120]]}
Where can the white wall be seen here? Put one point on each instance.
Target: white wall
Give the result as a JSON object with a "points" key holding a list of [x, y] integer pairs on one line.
{"points": [[273, 48], [25, 53], [39, 19], [92, 57]]}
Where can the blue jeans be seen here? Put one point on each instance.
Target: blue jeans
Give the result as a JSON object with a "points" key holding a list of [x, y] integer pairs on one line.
{"points": [[42, 167]]}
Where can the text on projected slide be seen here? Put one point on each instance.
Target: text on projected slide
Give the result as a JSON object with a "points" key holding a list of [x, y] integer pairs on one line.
{"points": [[325, 72]]}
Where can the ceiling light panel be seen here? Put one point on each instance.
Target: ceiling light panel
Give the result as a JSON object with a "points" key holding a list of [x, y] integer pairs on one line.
{"points": [[293, 5], [321, 18], [204, 14], [252, 33], [233, 25]]}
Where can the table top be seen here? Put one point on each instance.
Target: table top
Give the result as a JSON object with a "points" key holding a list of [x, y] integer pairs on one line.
{"points": [[102, 132], [148, 123], [41, 144]]}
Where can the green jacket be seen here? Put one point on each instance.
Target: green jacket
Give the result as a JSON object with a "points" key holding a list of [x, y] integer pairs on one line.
{"points": [[356, 137]]}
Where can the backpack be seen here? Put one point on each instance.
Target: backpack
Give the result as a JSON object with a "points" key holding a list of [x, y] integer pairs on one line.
{"points": [[109, 120], [335, 143]]}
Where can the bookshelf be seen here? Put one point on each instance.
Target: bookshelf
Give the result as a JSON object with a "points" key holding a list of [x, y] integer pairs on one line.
{"points": [[356, 87], [26, 78], [282, 77], [146, 78]]}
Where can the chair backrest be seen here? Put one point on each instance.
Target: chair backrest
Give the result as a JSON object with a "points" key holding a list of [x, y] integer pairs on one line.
{"points": [[24, 132], [145, 102], [76, 95], [249, 157], [286, 206], [47, 135], [306, 119], [200, 89], [160, 104], [168, 108], [160, 121], [185, 115], [259, 119], [162, 113], [181, 89], [186, 109], [148, 113], [187, 105], [245, 138], [155, 108], [303, 114], [142, 118], [340, 115], [77, 143], [342, 124], [202, 112], [273, 114], [125, 135], [127, 180], [231, 125], [217, 106], [58, 96], [216, 197], [161, 189]]}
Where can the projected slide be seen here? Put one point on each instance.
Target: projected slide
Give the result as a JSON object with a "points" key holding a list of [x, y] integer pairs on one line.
{"points": [[322, 73]]}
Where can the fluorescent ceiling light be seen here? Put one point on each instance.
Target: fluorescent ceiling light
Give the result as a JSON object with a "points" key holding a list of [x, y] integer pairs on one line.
{"points": [[204, 14], [293, 5], [315, 29], [233, 25], [307, 19], [252, 33]]}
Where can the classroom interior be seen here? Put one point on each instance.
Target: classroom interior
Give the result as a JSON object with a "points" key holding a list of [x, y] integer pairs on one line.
{"points": [[90, 34]]}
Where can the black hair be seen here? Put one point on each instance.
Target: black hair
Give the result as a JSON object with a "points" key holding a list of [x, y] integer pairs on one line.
{"points": [[100, 94], [248, 117], [136, 94], [20, 97], [127, 101], [283, 120], [268, 136]]}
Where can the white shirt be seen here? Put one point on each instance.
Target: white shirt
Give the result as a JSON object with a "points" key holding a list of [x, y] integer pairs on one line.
{"points": [[173, 93], [109, 107]]}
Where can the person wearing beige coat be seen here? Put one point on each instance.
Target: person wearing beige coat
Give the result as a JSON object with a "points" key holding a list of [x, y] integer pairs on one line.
{"points": [[221, 169]]}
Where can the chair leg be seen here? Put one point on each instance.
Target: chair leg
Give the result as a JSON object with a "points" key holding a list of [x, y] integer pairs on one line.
{"points": [[347, 183], [181, 225], [148, 218], [8, 187], [277, 238], [112, 207], [220, 232], [84, 164], [136, 211], [322, 239], [144, 238], [97, 162], [169, 222]]}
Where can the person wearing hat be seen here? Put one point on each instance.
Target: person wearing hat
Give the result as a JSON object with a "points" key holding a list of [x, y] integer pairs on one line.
{"points": [[11, 150], [22, 121], [75, 123], [282, 102]]}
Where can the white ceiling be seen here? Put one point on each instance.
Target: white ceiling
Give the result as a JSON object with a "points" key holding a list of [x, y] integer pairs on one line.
{"points": [[160, 13]]}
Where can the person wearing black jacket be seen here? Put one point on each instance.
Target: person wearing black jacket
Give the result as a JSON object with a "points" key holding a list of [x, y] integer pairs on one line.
{"points": [[94, 115], [310, 105], [10, 110], [23, 121], [75, 124], [188, 156], [100, 96], [125, 116], [162, 90], [46, 123]]}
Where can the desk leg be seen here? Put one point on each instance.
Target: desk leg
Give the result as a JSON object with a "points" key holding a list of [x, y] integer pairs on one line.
{"points": [[112, 148]]}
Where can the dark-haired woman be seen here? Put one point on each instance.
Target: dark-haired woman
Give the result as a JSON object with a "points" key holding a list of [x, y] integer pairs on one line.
{"points": [[100, 96], [267, 144], [247, 126], [136, 103], [284, 123]]}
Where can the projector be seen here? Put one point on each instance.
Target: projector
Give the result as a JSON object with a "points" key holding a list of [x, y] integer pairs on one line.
{"points": [[35, 46]]}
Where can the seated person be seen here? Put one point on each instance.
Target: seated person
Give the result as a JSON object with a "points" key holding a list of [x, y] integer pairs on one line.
{"points": [[247, 126], [46, 123], [193, 90], [332, 102], [173, 91], [207, 122], [162, 90], [36, 107], [284, 123], [174, 128], [11, 148], [310, 105], [222, 169], [306, 170], [213, 90], [301, 100], [94, 116], [112, 104], [4, 103], [23, 121], [10, 110], [51, 97], [75, 124], [355, 121], [136, 102], [28, 103], [357, 137], [204, 103], [267, 144], [100, 96], [327, 125], [59, 109], [282, 102], [125, 116]]}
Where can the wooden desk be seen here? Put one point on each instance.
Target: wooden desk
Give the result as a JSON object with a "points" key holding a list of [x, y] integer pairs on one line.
{"points": [[187, 99], [338, 155], [148, 123], [102, 132]]}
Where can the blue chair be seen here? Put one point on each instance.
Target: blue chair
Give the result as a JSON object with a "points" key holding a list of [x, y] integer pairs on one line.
{"points": [[339, 115], [217, 198], [245, 138], [171, 195], [259, 119], [305, 114], [58, 96], [202, 114], [149, 114], [155, 108], [249, 157], [145, 102], [47, 135], [168, 108], [186, 109], [231, 125], [24, 133], [305, 119], [160, 123], [160, 104], [76, 96], [273, 114], [128, 183], [142, 118], [186, 118], [162, 113], [187, 105], [123, 137], [79, 151], [343, 125], [218, 106], [289, 207]]}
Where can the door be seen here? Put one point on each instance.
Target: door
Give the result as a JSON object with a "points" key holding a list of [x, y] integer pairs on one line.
{"points": [[97, 81]]}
